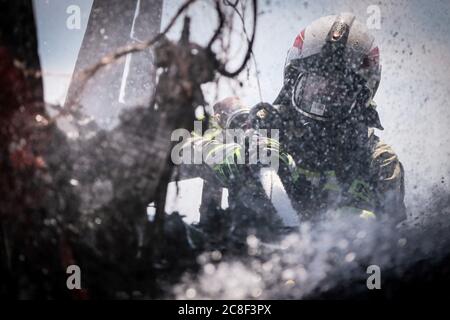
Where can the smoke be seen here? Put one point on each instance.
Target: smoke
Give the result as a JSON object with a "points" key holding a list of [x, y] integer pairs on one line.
{"points": [[330, 260]]}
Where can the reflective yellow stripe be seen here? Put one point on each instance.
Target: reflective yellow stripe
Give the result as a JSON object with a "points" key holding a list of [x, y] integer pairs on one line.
{"points": [[311, 176], [361, 191], [332, 183], [366, 214], [362, 213]]}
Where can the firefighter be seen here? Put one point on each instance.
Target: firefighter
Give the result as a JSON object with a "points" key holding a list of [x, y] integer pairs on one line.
{"points": [[334, 164], [226, 166]]}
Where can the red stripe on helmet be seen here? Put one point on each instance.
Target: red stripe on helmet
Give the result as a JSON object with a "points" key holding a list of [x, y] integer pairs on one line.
{"points": [[374, 54], [298, 43], [372, 58]]}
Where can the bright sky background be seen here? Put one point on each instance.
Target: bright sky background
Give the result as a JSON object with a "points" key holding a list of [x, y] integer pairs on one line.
{"points": [[415, 54]]}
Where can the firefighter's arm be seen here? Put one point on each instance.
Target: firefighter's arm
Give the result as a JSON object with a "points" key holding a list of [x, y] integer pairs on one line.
{"points": [[388, 176], [360, 201], [384, 195]]}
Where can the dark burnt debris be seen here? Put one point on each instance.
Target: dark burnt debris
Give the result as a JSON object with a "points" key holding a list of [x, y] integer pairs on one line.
{"points": [[56, 204]]}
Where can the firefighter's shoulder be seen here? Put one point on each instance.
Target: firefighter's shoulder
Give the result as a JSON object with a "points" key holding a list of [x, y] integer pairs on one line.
{"points": [[385, 162]]}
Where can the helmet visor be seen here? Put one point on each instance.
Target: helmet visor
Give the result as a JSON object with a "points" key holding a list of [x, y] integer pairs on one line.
{"points": [[325, 97]]}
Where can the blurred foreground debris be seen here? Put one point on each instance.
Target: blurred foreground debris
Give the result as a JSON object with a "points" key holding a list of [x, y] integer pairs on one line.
{"points": [[84, 201]]}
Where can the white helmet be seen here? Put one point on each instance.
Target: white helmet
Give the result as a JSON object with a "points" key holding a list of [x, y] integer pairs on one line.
{"points": [[332, 69]]}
